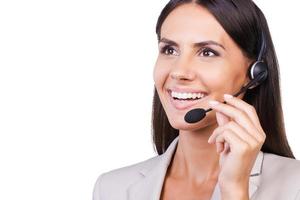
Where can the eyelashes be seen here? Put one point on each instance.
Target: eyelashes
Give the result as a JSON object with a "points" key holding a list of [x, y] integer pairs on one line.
{"points": [[201, 50], [164, 48]]}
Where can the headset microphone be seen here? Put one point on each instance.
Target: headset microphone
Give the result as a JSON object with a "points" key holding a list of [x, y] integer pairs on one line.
{"points": [[258, 72]]}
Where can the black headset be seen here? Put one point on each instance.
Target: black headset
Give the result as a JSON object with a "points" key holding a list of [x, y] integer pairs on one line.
{"points": [[258, 71]]}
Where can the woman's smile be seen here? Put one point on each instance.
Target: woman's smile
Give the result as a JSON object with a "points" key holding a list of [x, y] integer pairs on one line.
{"points": [[185, 99]]}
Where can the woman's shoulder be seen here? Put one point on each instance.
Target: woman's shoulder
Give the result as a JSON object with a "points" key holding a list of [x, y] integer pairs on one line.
{"points": [[119, 179], [131, 170], [284, 168], [281, 161], [279, 178]]}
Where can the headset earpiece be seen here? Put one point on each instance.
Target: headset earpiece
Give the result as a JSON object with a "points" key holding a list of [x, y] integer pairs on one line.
{"points": [[258, 68]]}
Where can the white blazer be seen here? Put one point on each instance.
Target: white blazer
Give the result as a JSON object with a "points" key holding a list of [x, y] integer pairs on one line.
{"points": [[272, 177]]}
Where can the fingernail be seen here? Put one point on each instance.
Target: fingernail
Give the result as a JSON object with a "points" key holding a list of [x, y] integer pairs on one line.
{"points": [[213, 102], [228, 96], [208, 140]]}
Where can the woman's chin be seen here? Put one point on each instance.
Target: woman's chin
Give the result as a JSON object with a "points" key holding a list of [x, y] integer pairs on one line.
{"points": [[180, 124]]}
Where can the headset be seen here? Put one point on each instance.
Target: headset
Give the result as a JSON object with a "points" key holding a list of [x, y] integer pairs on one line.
{"points": [[259, 68], [257, 72]]}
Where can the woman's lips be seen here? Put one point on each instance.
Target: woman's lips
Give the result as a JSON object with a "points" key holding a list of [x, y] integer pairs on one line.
{"points": [[183, 104]]}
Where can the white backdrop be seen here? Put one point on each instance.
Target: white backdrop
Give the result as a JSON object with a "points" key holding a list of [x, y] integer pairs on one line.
{"points": [[76, 82]]}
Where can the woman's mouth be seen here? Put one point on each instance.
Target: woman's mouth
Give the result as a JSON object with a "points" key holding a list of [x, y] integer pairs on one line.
{"points": [[185, 100]]}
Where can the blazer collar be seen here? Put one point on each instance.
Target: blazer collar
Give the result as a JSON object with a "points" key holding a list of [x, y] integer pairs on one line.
{"points": [[149, 187]]}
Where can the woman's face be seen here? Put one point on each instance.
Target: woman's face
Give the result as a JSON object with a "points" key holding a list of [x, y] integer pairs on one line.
{"points": [[197, 60]]}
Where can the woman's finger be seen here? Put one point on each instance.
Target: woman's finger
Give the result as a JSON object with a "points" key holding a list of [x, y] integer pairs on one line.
{"points": [[244, 106], [236, 144], [240, 131], [238, 116]]}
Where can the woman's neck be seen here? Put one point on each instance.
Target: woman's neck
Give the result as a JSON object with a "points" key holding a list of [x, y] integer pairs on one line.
{"points": [[195, 160]]}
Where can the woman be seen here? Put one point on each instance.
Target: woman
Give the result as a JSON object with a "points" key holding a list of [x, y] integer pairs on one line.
{"points": [[239, 150]]}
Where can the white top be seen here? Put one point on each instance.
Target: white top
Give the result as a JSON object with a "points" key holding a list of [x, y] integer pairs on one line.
{"points": [[272, 177]]}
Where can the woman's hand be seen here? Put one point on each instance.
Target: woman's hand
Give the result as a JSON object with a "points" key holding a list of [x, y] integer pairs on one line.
{"points": [[238, 138]]}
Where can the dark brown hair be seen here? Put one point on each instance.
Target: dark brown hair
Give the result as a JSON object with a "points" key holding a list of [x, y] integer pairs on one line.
{"points": [[244, 22]]}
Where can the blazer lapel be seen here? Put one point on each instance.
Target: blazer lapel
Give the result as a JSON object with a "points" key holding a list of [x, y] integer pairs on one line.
{"points": [[254, 180], [150, 185]]}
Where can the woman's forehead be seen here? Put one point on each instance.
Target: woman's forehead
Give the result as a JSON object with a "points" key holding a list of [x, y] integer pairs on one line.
{"points": [[191, 23]]}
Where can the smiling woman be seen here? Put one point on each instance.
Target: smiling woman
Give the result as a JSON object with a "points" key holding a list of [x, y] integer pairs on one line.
{"points": [[209, 49]]}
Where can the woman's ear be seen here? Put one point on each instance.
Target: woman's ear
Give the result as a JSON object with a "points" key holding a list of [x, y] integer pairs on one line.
{"points": [[249, 63]]}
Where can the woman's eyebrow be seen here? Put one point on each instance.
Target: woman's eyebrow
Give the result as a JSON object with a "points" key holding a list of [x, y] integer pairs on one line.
{"points": [[196, 45]]}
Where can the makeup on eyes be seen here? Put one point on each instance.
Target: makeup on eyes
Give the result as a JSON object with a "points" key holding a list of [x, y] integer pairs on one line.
{"points": [[201, 49]]}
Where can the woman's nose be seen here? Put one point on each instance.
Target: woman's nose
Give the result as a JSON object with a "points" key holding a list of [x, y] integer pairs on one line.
{"points": [[183, 71], [181, 76]]}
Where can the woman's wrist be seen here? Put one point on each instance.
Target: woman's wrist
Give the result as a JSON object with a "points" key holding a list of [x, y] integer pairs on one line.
{"points": [[235, 192]]}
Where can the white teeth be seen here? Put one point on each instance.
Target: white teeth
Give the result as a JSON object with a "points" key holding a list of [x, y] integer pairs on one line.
{"points": [[187, 95]]}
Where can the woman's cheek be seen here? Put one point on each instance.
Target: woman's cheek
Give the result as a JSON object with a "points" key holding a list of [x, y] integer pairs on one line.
{"points": [[160, 75], [215, 79], [225, 82], [217, 82]]}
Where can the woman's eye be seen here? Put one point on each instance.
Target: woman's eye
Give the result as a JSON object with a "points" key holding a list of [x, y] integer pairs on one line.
{"points": [[205, 52], [208, 53], [167, 50]]}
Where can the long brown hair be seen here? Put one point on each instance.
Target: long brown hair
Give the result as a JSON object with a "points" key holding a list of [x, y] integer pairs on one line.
{"points": [[244, 22]]}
